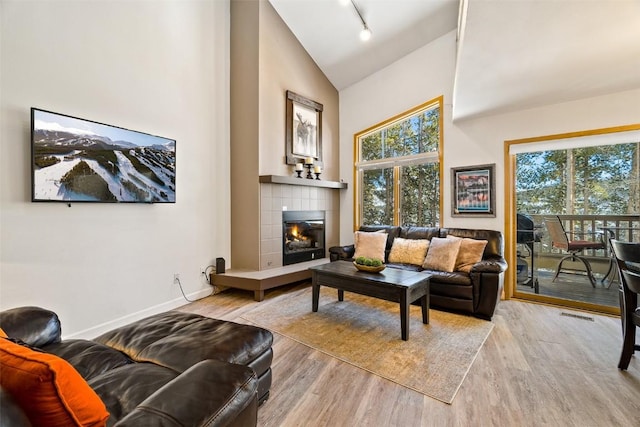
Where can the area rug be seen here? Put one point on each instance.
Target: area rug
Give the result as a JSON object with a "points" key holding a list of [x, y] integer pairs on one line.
{"points": [[365, 332]]}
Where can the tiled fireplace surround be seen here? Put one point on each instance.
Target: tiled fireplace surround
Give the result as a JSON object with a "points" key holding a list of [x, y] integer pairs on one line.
{"points": [[274, 198]]}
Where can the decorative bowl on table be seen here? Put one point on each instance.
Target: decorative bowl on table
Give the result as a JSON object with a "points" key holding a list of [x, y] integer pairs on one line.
{"points": [[369, 268]]}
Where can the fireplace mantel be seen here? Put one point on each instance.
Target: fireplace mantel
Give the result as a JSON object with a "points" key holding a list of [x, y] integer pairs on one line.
{"points": [[291, 180]]}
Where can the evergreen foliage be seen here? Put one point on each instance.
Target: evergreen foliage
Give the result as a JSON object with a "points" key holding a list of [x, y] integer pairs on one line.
{"points": [[400, 147], [142, 168], [83, 180], [581, 181], [44, 161]]}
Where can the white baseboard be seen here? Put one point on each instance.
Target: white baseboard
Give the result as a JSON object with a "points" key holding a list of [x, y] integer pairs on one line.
{"points": [[125, 320]]}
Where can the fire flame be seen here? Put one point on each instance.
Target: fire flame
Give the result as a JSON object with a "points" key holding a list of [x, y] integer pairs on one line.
{"points": [[294, 232]]}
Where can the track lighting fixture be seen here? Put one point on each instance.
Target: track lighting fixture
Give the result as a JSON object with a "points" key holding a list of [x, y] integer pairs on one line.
{"points": [[365, 34]]}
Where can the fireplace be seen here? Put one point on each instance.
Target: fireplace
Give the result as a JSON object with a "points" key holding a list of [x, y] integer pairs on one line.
{"points": [[302, 236]]}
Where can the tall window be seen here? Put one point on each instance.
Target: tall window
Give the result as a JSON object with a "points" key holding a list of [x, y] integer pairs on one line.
{"points": [[398, 173]]}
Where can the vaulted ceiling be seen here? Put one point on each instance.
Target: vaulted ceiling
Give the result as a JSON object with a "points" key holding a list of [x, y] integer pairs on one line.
{"points": [[511, 55]]}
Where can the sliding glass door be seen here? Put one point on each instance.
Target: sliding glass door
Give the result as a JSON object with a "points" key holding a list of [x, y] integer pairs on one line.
{"points": [[587, 184]]}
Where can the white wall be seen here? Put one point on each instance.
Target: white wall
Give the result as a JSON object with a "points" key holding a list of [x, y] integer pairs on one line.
{"points": [[427, 73], [159, 67]]}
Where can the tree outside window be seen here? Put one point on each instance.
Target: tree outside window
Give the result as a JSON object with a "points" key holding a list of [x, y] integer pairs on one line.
{"points": [[398, 169], [601, 180]]}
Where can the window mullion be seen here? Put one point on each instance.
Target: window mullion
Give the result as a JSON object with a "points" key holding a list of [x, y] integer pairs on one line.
{"points": [[405, 160], [396, 195]]}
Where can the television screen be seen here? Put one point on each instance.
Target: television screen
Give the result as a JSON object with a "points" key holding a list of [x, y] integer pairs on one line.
{"points": [[78, 160]]}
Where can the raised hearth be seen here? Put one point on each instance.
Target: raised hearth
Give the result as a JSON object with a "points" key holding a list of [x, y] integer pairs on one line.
{"points": [[261, 281]]}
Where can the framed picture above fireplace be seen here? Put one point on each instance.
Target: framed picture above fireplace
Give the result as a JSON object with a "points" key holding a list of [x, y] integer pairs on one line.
{"points": [[304, 129]]}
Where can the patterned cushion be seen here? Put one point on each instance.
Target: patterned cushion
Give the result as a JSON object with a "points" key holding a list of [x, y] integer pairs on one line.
{"points": [[442, 254], [408, 251]]}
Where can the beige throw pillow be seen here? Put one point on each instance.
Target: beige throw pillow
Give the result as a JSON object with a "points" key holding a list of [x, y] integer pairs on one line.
{"points": [[370, 244], [442, 254], [471, 251], [408, 251]]}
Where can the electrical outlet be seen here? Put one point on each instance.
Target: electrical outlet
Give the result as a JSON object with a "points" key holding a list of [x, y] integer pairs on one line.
{"points": [[176, 278]]}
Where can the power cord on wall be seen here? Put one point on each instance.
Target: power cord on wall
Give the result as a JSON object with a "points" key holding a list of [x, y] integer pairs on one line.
{"points": [[207, 275], [214, 289]]}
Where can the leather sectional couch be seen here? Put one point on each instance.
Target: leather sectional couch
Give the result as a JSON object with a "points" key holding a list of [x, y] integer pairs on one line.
{"points": [[170, 369], [476, 292]]}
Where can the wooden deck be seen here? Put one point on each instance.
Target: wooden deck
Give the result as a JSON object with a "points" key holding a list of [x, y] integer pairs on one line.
{"points": [[575, 287]]}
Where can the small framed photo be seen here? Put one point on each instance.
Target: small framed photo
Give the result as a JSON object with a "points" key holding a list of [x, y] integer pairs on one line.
{"points": [[473, 191], [304, 130]]}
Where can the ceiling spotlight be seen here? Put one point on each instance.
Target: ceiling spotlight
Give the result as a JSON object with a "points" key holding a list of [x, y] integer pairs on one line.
{"points": [[344, 2], [365, 34]]}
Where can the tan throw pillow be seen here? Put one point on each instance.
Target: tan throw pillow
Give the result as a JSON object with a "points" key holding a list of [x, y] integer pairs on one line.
{"points": [[471, 251], [370, 244], [408, 251], [442, 254]]}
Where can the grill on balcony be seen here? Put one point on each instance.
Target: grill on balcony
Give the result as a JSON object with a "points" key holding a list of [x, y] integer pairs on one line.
{"points": [[527, 234]]}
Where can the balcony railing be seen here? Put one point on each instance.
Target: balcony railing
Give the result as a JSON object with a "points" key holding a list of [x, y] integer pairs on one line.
{"points": [[621, 227], [575, 289]]}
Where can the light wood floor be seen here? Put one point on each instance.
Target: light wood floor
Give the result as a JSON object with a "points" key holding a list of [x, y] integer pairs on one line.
{"points": [[537, 368]]}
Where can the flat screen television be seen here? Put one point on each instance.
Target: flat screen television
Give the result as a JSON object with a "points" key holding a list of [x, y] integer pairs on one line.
{"points": [[79, 160]]}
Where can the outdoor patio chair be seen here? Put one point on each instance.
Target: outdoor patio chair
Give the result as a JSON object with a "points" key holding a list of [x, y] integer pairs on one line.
{"points": [[627, 257], [560, 239]]}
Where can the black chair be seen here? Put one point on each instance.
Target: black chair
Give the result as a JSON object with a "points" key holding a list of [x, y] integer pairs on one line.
{"points": [[627, 257], [560, 239]]}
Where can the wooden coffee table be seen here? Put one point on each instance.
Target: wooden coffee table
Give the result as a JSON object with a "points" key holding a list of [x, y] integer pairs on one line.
{"points": [[391, 284]]}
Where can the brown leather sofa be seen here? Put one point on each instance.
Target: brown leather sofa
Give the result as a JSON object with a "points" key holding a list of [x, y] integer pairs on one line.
{"points": [[477, 292], [169, 369]]}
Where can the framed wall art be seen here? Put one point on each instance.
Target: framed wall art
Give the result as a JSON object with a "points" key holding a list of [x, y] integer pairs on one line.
{"points": [[473, 191], [304, 130]]}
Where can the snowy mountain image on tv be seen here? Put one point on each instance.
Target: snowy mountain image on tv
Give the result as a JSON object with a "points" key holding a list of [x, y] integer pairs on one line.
{"points": [[77, 160]]}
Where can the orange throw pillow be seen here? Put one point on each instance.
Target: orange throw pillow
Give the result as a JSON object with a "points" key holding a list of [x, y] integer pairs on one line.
{"points": [[48, 389], [3, 334]]}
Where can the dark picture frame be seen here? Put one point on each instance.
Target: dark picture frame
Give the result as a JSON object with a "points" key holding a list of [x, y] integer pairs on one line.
{"points": [[304, 129], [473, 191]]}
